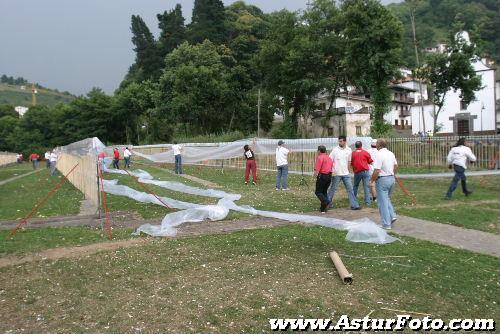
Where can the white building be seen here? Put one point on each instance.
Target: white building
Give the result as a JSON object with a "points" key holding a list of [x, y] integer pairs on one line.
{"points": [[458, 118]]}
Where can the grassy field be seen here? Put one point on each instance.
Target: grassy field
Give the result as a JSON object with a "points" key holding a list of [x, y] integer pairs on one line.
{"points": [[479, 211], [236, 282], [7, 172], [14, 95]]}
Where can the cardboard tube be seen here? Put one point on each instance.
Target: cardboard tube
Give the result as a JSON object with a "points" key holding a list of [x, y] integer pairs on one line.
{"points": [[341, 269]]}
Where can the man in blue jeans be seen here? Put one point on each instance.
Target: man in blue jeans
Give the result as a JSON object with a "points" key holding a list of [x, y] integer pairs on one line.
{"points": [[282, 166], [457, 158], [341, 156], [360, 162], [385, 167]]}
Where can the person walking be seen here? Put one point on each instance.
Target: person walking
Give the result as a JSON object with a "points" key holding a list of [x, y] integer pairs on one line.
{"points": [[385, 168], [360, 162], [341, 156], [457, 159], [47, 159], [282, 166], [251, 165], [177, 150], [373, 154], [127, 155], [116, 158], [323, 173], [34, 160], [53, 163]]}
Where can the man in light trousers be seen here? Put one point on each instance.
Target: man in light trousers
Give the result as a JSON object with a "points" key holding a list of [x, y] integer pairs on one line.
{"points": [[341, 156], [385, 167]]}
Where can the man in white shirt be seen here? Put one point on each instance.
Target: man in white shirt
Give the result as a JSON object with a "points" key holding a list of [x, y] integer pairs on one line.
{"points": [[457, 159], [53, 163], [126, 156], [282, 166], [373, 154], [177, 150], [385, 167], [47, 159], [341, 156]]}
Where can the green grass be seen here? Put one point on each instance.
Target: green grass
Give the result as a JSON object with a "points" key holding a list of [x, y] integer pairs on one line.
{"points": [[34, 240], [7, 172], [236, 282], [13, 95], [17, 198]]}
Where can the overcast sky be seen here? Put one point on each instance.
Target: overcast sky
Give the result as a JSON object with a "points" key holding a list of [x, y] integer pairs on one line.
{"points": [[76, 45]]}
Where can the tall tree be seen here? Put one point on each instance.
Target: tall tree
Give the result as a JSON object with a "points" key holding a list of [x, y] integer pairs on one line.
{"points": [[452, 70], [207, 22], [197, 87], [147, 57], [289, 62], [373, 52], [172, 30]]}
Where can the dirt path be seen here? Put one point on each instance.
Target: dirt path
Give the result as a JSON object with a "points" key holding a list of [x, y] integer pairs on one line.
{"points": [[20, 176], [187, 230]]}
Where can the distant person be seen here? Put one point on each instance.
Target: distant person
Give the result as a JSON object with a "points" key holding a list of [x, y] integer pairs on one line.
{"points": [[282, 166], [116, 158], [127, 155], [384, 178], [373, 154], [457, 159], [47, 159], [323, 173], [251, 165], [53, 163], [19, 158], [177, 150], [341, 156], [360, 162], [34, 160], [100, 159]]}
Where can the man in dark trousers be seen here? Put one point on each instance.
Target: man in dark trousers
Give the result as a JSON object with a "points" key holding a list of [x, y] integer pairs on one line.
{"points": [[323, 174], [457, 159], [360, 162]]}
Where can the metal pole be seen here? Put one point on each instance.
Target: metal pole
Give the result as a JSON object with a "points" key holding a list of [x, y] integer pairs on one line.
{"points": [[258, 115], [412, 16]]}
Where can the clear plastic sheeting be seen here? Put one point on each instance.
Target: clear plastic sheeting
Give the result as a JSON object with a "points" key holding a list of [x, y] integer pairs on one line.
{"points": [[358, 231], [198, 152], [89, 146]]}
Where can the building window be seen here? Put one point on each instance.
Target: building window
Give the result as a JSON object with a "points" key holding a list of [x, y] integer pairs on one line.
{"points": [[396, 122], [322, 106], [330, 131], [406, 122], [358, 131], [463, 105]]}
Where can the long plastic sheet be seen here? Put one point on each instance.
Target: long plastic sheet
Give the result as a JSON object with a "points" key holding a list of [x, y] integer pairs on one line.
{"points": [[358, 231], [198, 152]]}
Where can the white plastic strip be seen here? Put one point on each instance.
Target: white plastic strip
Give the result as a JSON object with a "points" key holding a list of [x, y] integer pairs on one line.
{"points": [[358, 231]]}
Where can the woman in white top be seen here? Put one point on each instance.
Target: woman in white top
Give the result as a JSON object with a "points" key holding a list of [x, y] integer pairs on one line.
{"points": [[457, 159]]}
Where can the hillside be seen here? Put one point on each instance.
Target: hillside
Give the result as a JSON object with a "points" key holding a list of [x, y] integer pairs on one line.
{"points": [[15, 95], [435, 18]]}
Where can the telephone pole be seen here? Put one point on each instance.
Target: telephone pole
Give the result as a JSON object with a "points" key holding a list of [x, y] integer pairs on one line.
{"points": [[258, 115], [415, 44]]}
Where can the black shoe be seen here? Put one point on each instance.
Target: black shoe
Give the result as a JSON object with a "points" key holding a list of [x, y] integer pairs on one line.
{"points": [[468, 193], [358, 208]]}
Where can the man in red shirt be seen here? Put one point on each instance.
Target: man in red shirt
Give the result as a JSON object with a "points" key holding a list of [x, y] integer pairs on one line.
{"points": [[323, 174], [34, 159], [116, 158], [360, 162]]}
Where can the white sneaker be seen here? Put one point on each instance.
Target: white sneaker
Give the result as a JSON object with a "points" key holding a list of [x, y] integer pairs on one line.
{"points": [[286, 189], [277, 189], [387, 228], [393, 220]]}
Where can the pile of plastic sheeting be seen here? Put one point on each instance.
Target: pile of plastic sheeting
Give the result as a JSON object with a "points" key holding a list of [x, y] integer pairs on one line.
{"points": [[198, 152], [358, 231]]}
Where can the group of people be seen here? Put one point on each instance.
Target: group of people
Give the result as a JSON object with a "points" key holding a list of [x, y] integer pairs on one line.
{"points": [[127, 156], [375, 168], [50, 160]]}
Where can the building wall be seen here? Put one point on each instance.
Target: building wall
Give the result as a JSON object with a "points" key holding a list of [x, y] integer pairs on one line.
{"points": [[362, 121], [481, 111]]}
